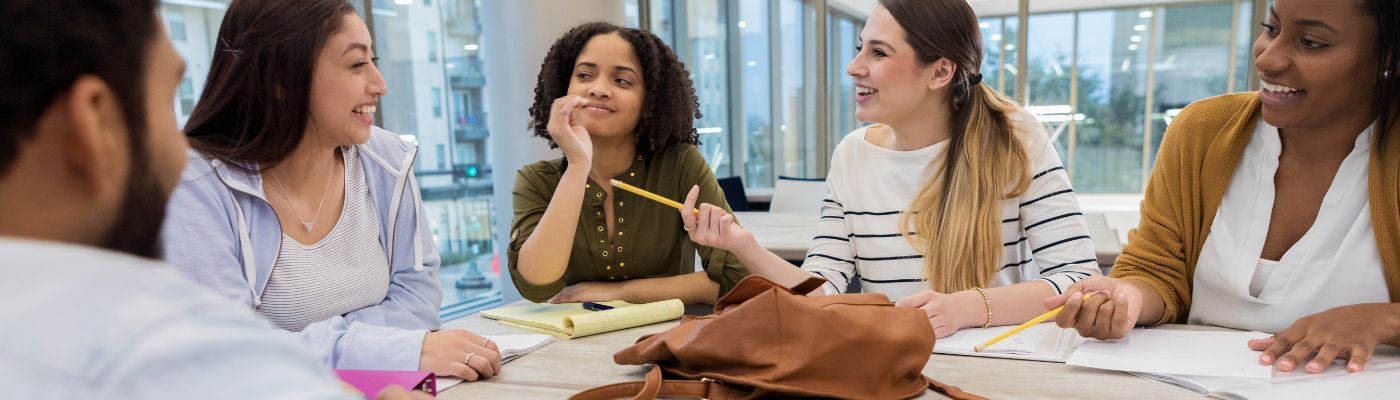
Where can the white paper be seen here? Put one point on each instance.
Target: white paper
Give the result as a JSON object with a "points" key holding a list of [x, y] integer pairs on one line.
{"points": [[1379, 379], [512, 347], [1043, 342], [1176, 352]]}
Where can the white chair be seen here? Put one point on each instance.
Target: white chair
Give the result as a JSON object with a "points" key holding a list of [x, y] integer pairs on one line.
{"points": [[798, 195]]}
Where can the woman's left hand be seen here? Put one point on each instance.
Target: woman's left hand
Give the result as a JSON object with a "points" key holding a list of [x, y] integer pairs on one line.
{"points": [[942, 310], [1347, 332], [589, 291]]}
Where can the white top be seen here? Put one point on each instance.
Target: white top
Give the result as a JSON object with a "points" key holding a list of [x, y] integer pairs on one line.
{"points": [[858, 235], [1335, 263], [86, 323], [344, 272]]}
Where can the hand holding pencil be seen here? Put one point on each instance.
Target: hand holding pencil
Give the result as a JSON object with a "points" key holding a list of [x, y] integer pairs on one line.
{"points": [[1108, 316], [707, 225]]}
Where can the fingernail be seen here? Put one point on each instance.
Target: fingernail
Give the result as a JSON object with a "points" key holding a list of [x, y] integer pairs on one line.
{"points": [[1285, 365], [1354, 367], [1313, 367], [1266, 360]]}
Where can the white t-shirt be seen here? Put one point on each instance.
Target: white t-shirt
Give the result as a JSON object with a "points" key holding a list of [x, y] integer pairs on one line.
{"points": [[870, 187]]}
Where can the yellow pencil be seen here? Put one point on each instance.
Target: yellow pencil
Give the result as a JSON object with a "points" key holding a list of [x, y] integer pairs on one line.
{"points": [[650, 195], [1023, 327]]}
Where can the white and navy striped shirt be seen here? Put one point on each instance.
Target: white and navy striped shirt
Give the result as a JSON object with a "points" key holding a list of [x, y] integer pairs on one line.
{"points": [[344, 272], [870, 187]]}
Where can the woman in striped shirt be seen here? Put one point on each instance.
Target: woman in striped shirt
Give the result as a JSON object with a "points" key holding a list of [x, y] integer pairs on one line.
{"points": [[954, 202]]}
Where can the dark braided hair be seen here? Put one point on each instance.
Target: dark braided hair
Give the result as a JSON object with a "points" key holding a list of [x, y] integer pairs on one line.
{"points": [[669, 108]]}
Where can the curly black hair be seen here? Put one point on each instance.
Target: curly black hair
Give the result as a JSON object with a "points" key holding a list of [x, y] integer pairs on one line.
{"points": [[670, 106]]}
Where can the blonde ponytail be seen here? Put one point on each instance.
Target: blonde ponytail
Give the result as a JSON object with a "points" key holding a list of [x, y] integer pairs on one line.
{"points": [[956, 218]]}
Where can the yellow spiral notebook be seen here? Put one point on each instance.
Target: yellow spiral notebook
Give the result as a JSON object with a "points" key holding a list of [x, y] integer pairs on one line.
{"points": [[571, 320]]}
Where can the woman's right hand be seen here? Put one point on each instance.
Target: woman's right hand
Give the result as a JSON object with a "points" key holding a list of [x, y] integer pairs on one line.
{"points": [[713, 227], [1110, 313], [566, 128], [445, 353]]}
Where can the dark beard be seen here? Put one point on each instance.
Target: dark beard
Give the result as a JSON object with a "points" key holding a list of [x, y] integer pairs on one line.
{"points": [[137, 228]]}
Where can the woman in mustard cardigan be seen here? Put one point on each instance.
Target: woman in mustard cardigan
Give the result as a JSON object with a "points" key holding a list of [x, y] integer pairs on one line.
{"points": [[1276, 211]]}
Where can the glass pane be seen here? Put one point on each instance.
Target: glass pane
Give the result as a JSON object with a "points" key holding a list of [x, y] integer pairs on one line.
{"points": [[661, 22], [453, 169], [1112, 80], [756, 145], [1010, 28], [706, 37], [794, 130], [992, 42], [1244, 43], [1048, 68], [842, 102], [632, 13], [193, 31], [1193, 61]]}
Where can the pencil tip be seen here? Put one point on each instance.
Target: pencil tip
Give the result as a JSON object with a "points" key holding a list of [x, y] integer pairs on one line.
{"points": [[977, 349]]}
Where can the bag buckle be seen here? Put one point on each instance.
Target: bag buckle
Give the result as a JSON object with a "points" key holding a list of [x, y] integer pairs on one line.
{"points": [[707, 387]]}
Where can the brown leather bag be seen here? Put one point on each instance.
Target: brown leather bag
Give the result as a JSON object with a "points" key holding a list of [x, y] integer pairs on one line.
{"points": [[764, 340]]}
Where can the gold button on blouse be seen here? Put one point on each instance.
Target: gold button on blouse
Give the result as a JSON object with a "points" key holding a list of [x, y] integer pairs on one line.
{"points": [[600, 228], [598, 195], [619, 220], [605, 253]]}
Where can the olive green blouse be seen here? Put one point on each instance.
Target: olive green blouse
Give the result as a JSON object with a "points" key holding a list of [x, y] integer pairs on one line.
{"points": [[649, 241]]}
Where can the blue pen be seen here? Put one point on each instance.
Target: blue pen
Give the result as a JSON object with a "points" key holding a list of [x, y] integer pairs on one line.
{"points": [[588, 305]]}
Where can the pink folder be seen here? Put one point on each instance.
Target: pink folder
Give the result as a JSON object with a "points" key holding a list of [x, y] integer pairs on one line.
{"points": [[371, 382]]}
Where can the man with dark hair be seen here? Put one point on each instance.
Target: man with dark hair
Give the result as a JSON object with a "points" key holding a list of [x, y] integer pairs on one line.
{"points": [[89, 153]]}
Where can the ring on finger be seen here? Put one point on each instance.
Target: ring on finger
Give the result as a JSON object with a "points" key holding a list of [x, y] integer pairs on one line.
{"points": [[468, 361], [688, 228], [487, 343]]}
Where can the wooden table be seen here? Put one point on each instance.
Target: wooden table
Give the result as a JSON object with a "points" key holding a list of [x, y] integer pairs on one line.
{"points": [[789, 235], [565, 367]]}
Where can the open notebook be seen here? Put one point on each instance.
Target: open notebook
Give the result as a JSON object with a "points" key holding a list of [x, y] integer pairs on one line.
{"points": [[1043, 342], [571, 320]]}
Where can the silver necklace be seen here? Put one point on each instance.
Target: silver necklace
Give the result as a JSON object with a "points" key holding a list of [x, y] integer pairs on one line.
{"points": [[308, 225]]}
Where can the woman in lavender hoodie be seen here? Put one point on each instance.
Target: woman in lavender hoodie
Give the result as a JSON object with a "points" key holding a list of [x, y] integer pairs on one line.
{"points": [[293, 203]]}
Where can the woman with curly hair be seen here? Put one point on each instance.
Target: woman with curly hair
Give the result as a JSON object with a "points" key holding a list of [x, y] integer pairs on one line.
{"points": [[619, 105]]}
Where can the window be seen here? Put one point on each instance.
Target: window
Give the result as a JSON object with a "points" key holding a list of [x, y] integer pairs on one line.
{"points": [[1105, 151], [176, 19], [432, 47], [845, 31], [186, 95], [1107, 82], [796, 148], [706, 46], [193, 31], [755, 75], [437, 102], [441, 156], [455, 179]]}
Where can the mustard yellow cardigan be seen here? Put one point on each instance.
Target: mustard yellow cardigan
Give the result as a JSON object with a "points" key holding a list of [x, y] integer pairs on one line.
{"points": [[1194, 166]]}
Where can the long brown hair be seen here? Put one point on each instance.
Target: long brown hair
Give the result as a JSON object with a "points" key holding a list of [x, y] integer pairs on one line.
{"points": [[1388, 56], [256, 105], [956, 217]]}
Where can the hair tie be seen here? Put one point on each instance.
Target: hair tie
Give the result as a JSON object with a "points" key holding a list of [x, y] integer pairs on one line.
{"points": [[975, 79]]}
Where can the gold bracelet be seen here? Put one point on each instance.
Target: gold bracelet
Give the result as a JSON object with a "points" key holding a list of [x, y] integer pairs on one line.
{"points": [[987, 301]]}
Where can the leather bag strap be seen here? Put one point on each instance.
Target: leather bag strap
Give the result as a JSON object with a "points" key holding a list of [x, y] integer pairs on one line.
{"points": [[951, 391], [654, 386]]}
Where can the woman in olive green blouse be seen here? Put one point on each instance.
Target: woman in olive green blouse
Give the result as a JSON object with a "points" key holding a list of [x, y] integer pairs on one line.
{"points": [[619, 105]]}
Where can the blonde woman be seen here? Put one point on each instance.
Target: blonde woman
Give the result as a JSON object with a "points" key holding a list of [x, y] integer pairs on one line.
{"points": [[954, 202]]}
